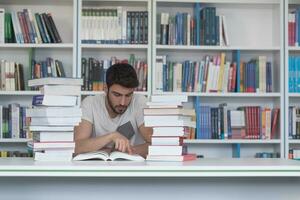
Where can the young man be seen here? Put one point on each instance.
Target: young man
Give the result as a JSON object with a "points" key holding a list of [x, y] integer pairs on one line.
{"points": [[114, 120]]}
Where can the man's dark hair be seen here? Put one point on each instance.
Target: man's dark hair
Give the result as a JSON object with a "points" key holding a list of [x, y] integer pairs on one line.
{"points": [[122, 74]]}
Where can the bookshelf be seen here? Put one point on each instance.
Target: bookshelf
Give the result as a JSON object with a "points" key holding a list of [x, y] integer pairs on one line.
{"points": [[252, 16], [243, 19], [103, 50], [291, 96], [65, 18]]}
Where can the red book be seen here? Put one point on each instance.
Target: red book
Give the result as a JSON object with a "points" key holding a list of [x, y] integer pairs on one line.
{"points": [[233, 80], [274, 123]]}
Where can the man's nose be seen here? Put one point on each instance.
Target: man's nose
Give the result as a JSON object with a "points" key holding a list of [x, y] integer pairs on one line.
{"points": [[123, 100]]}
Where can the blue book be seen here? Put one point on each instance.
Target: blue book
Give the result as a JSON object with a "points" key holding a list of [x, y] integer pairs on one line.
{"points": [[197, 34], [236, 150], [236, 57]]}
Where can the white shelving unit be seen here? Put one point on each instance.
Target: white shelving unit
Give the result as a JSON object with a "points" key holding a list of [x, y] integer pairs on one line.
{"points": [[244, 18], [65, 19], [255, 27], [121, 51], [291, 99]]}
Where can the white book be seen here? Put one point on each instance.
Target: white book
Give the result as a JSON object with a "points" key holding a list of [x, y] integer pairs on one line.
{"points": [[159, 73], [237, 118], [45, 156], [2, 11], [166, 141], [225, 31], [169, 120], [61, 90], [55, 121], [53, 112], [170, 123], [55, 81], [177, 79], [51, 100], [14, 110], [50, 145], [51, 128], [166, 158], [103, 155], [169, 111], [165, 150], [15, 26], [169, 98], [167, 104], [53, 136], [168, 131]]}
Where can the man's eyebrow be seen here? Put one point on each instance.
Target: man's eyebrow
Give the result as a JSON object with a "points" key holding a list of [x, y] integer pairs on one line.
{"points": [[130, 93]]}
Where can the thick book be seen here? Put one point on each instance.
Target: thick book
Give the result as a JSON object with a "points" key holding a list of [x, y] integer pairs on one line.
{"points": [[103, 155], [53, 112], [67, 90], [51, 100], [187, 157], [169, 111], [55, 81]]}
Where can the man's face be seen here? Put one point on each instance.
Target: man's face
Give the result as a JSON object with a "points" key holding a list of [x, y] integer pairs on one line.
{"points": [[118, 98]]}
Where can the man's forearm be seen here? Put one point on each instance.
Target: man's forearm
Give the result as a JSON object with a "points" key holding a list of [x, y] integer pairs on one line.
{"points": [[141, 149], [93, 144]]}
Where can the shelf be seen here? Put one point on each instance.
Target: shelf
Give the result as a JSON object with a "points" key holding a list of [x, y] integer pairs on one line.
{"points": [[231, 141], [10, 140], [294, 48], [294, 94], [226, 1], [293, 141], [19, 92], [114, 46], [256, 95], [223, 48], [102, 92], [55, 45]]}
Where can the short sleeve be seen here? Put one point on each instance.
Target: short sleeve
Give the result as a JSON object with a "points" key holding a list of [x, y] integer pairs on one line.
{"points": [[140, 104], [87, 111]]}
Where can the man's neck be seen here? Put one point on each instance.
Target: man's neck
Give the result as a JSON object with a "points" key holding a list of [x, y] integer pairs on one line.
{"points": [[111, 113]]}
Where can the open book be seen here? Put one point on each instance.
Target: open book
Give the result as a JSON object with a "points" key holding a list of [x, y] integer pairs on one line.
{"points": [[103, 155]]}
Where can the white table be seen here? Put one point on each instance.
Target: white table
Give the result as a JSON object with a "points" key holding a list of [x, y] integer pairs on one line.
{"points": [[22, 178]]}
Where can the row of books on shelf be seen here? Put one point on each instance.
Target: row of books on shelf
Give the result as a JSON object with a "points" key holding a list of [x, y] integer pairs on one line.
{"points": [[6, 154], [214, 74], [93, 72], [25, 27], [294, 74], [267, 155], [294, 122], [13, 121], [46, 68], [11, 76], [294, 153], [249, 122], [204, 27], [114, 26]]}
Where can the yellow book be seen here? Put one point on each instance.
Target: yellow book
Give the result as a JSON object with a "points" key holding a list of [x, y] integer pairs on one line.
{"points": [[221, 74]]}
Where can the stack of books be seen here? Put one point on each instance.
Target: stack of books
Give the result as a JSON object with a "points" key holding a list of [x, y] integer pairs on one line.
{"points": [[169, 119], [53, 116]]}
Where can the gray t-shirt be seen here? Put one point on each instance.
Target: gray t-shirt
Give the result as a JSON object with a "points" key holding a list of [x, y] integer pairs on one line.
{"points": [[94, 111]]}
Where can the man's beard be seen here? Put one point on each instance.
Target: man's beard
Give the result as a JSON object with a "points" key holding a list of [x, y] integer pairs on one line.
{"points": [[115, 109]]}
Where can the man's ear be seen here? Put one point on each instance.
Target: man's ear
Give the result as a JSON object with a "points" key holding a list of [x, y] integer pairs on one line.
{"points": [[105, 88]]}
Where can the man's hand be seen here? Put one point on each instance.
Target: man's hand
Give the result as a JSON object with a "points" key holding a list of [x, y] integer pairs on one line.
{"points": [[121, 143]]}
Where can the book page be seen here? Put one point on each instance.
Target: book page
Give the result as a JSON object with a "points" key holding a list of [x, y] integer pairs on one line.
{"points": [[117, 155], [95, 155]]}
